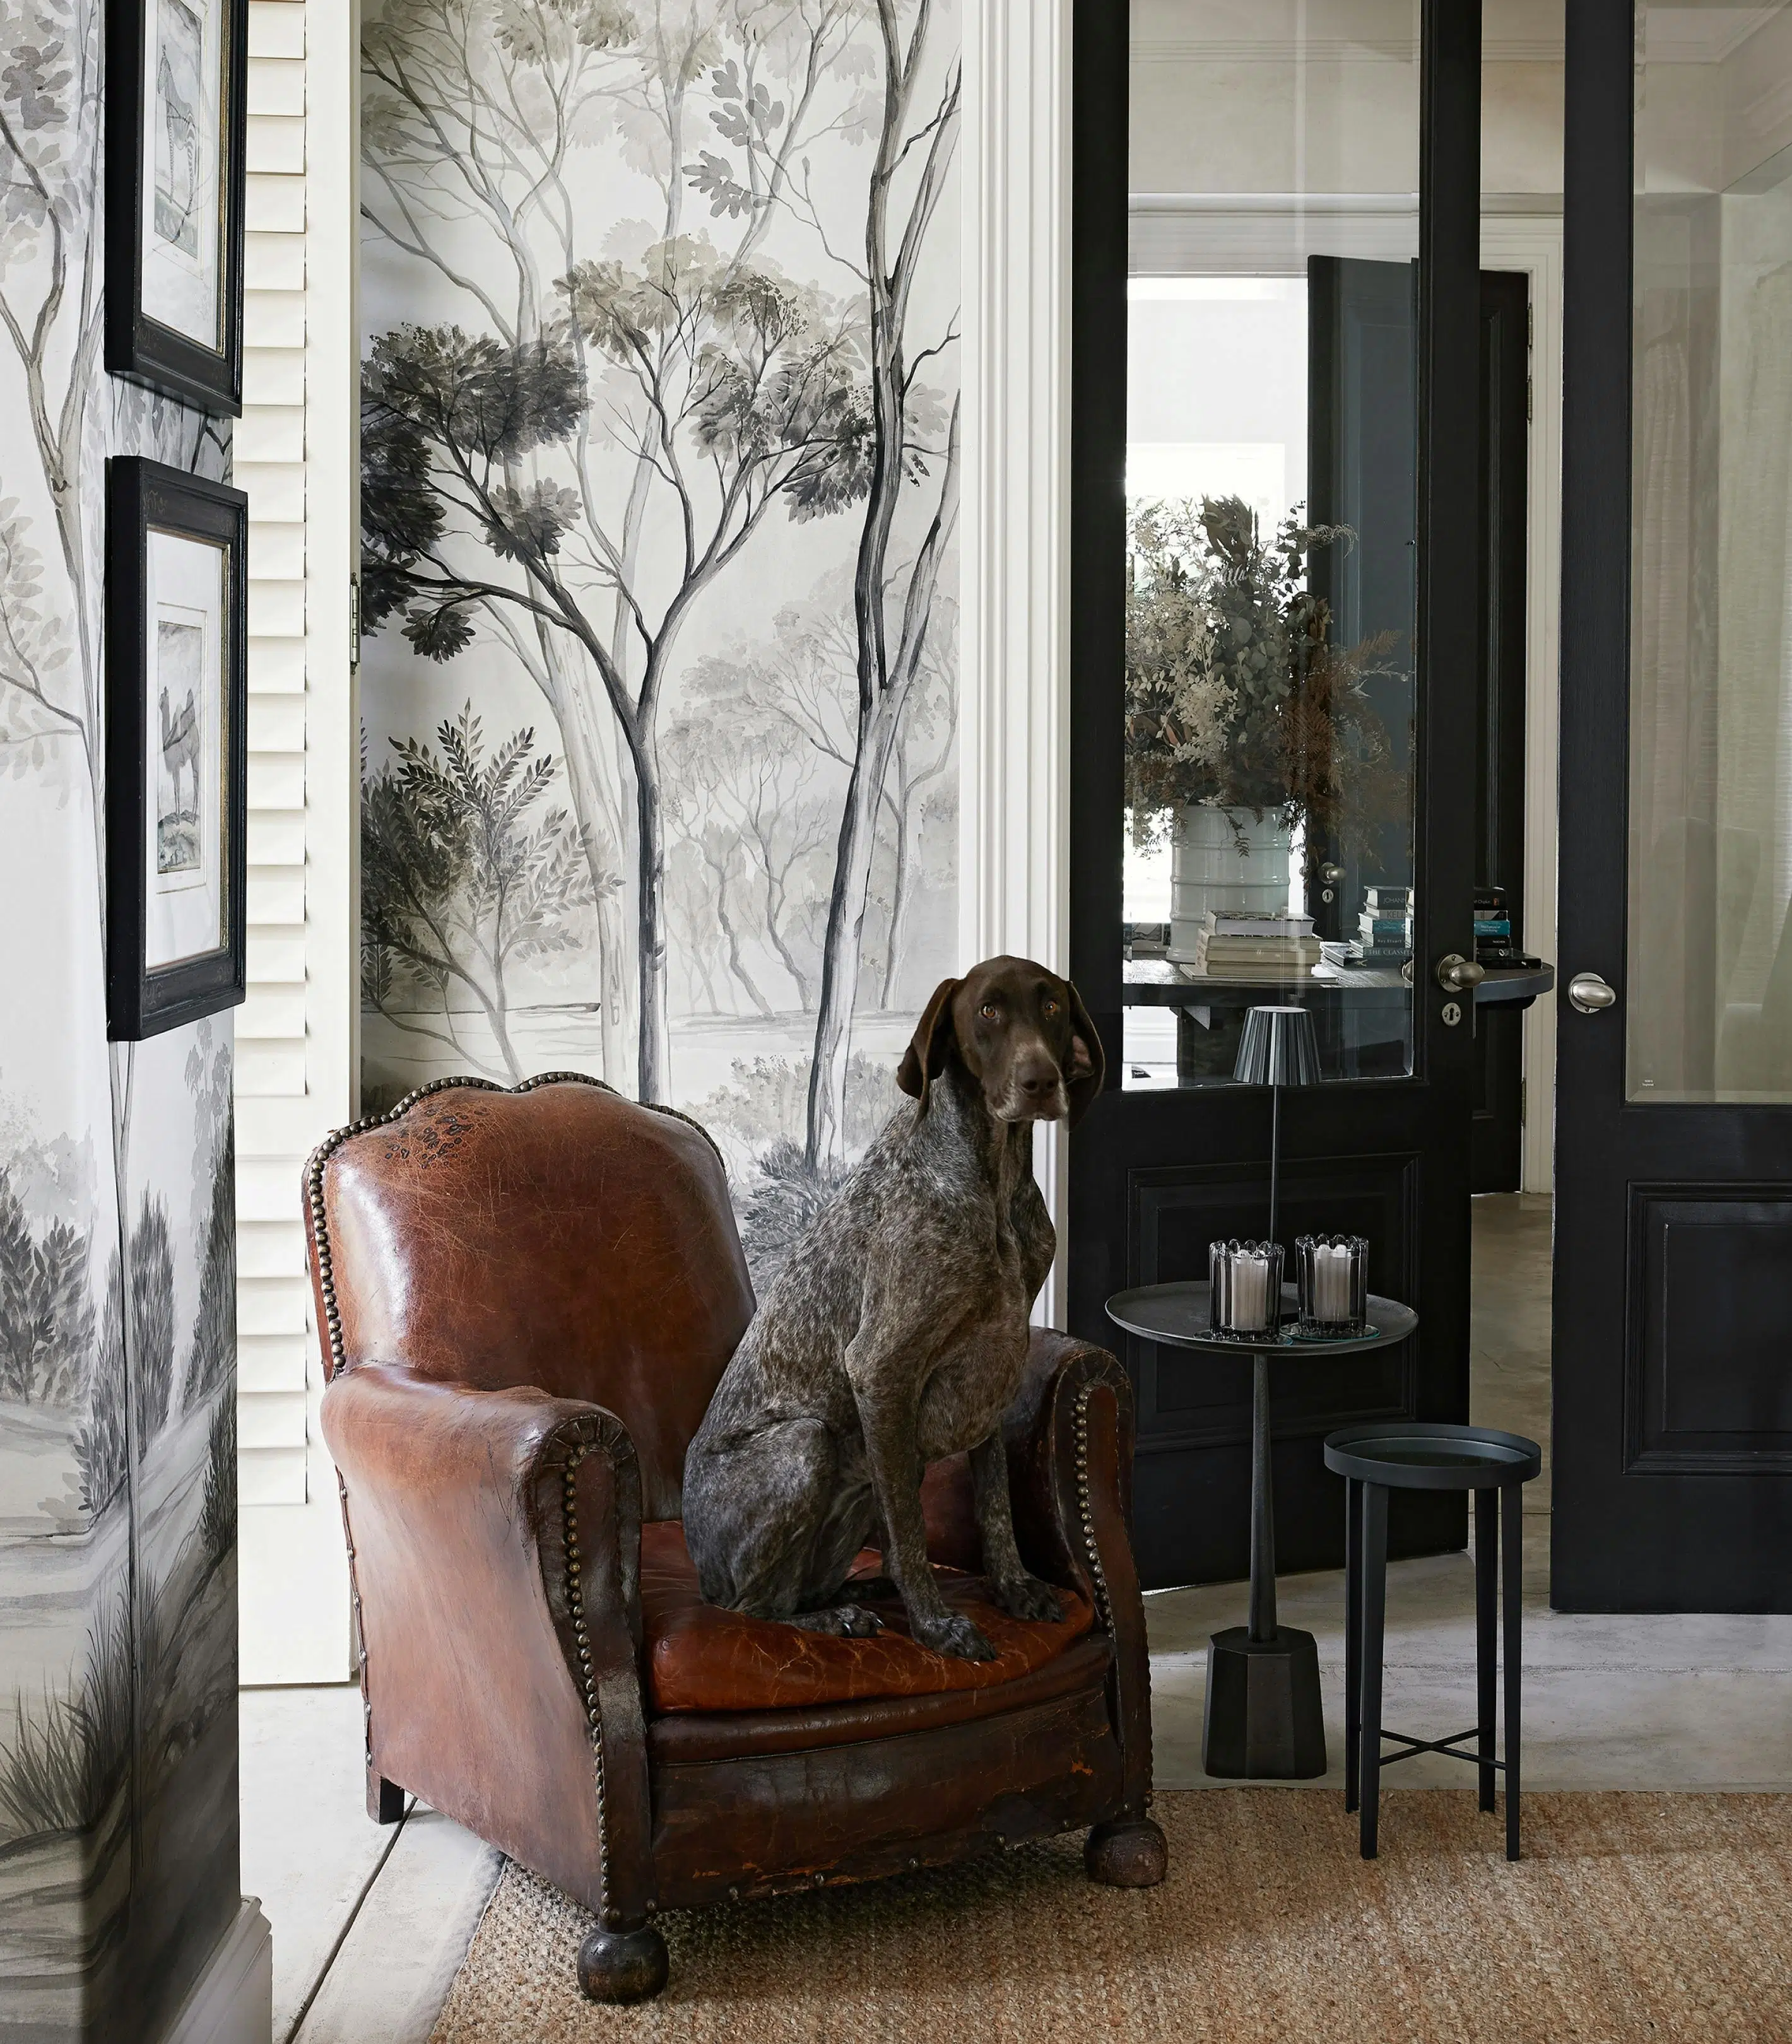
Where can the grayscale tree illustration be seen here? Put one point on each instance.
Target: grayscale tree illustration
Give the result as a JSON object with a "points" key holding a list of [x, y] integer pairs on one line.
{"points": [[118, 1705], [641, 296], [463, 873]]}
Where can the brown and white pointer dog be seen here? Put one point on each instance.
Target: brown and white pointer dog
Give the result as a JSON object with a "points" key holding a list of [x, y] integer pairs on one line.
{"points": [[896, 1332]]}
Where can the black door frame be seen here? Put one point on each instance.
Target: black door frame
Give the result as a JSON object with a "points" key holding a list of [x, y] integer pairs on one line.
{"points": [[1151, 1130], [1685, 1530], [1498, 1134]]}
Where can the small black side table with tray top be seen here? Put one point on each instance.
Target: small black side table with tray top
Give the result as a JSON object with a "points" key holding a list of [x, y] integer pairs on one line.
{"points": [[1381, 1455], [1264, 1718]]}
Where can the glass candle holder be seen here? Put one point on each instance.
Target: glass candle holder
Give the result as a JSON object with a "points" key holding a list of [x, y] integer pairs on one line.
{"points": [[1246, 1278], [1331, 1277]]}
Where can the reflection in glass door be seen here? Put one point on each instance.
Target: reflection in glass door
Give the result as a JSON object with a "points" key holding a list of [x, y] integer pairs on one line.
{"points": [[1270, 319], [1710, 923], [1272, 491]]}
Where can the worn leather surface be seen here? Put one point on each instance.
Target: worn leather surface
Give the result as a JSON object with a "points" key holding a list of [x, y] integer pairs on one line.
{"points": [[700, 1658], [685, 1736], [565, 1238], [869, 1808], [456, 1511]]}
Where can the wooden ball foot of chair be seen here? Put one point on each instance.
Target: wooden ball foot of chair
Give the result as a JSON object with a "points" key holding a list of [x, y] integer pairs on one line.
{"points": [[622, 1965], [1132, 1853]]}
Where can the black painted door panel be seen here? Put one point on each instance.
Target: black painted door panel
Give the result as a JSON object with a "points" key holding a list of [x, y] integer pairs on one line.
{"points": [[1153, 1176], [1673, 1344]]}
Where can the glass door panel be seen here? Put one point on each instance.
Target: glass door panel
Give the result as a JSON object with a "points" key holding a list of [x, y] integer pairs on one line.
{"points": [[1710, 867], [1271, 488]]}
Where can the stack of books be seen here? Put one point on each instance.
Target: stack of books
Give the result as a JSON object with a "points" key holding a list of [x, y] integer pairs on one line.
{"points": [[1493, 925], [1494, 944], [1385, 927], [1234, 945]]}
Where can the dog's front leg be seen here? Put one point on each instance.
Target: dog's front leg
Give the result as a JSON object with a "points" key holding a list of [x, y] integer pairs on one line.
{"points": [[1018, 1593], [886, 1416]]}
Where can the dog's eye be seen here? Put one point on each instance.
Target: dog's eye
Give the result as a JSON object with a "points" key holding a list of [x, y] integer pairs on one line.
{"points": [[1051, 1007], [989, 1011]]}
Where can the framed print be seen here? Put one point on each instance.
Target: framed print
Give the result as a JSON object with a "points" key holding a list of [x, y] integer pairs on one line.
{"points": [[176, 745], [175, 139]]}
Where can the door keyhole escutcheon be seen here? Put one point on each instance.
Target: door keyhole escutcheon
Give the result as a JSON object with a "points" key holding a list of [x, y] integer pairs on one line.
{"points": [[1589, 993], [1452, 1013]]}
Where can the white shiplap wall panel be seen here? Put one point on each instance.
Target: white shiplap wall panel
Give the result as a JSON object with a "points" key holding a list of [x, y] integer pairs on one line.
{"points": [[295, 1032]]}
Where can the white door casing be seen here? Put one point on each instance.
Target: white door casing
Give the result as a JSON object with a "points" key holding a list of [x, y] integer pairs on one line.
{"points": [[1014, 841], [296, 1034]]}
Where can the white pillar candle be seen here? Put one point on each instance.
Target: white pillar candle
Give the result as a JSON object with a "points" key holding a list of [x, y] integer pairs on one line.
{"points": [[1250, 1293], [1331, 1267]]}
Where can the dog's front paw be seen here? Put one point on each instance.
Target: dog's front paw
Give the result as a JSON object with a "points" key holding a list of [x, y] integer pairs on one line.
{"points": [[1028, 1597], [845, 1621], [953, 1633]]}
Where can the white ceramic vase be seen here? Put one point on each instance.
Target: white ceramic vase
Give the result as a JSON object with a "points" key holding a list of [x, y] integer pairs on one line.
{"points": [[1223, 858]]}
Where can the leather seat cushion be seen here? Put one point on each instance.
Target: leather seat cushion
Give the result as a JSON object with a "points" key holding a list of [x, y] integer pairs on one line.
{"points": [[701, 1659]]}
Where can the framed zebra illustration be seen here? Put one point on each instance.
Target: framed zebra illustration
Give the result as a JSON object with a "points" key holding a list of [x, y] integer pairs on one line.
{"points": [[176, 745], [175, 150]]}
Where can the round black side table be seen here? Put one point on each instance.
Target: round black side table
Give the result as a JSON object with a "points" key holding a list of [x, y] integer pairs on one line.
{"points": [[1418, 1455], [1264, 1718]]}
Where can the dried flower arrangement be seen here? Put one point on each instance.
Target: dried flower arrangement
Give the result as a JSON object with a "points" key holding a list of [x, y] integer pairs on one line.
{"points": [[1235, 697]]}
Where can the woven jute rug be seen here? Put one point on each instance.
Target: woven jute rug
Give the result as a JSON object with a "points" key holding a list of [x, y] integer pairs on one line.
{"points": [[1666, 1917]]}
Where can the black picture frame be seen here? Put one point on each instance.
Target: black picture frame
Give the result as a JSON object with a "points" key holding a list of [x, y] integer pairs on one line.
{"points": [[146, 499], [138, 346]]}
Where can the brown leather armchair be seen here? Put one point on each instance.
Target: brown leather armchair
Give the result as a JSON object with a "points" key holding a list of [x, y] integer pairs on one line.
{"points": [[525, 1300]]}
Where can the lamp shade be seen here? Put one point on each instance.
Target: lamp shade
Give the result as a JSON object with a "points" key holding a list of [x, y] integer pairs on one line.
{"points": [[1278, 1048]]}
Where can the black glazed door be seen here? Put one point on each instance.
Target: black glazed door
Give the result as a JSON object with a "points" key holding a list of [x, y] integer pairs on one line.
{"points": [[1168, 1163], [1673, 1344], [1499, 776]]}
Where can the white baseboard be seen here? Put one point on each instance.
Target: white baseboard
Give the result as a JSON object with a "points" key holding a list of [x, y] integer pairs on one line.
{"points": [[232, 2001]]}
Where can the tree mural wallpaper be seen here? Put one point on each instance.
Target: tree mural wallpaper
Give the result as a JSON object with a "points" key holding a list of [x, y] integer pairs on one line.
{"points": [[118, 1864], [660, 451]]}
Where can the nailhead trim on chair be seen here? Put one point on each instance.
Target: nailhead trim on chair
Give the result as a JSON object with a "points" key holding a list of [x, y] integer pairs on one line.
{"points": [[314, 1169], [1104, 1606], [1086, 1510], [582, 1649]]}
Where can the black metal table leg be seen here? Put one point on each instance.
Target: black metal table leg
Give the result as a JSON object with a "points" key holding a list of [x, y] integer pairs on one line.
{"points": [[1263, 1506], [1512, 1537], [1266, 1719], [1487, 1636], [1374, 1614], [1353, 1635]]}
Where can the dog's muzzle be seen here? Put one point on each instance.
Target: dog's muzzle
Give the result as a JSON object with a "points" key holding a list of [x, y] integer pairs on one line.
{"points": [[1017, 1104]]}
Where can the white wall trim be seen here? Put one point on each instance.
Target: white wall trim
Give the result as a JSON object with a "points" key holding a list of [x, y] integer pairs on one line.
{"points": [[233, 1999], [1014, 850], [1533, 244], [297, 1054]]}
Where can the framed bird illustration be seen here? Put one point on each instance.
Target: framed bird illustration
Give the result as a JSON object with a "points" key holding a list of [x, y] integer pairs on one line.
{"points": [[176, 745], [176, 130]]}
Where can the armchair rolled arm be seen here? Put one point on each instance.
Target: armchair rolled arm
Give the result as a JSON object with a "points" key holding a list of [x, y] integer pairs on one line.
{"points": [[494, 1551], [1070, 1438]]}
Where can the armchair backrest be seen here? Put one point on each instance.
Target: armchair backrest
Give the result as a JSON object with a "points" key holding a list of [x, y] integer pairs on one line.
{"points": [[556, 1235]]}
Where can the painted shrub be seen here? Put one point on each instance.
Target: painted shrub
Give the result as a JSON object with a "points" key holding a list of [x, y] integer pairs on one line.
{"points": [[118, 1859], [660, 457]]}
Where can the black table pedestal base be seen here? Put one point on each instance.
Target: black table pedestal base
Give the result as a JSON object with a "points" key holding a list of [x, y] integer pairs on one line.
{"points": [[1264, 1717]]}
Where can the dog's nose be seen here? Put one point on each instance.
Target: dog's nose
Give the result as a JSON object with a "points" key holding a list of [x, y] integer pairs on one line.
{"points": [[1037, 1077]]}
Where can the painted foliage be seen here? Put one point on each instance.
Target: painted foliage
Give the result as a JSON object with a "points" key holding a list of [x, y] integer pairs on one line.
{"points": [[661, 460], [118, 1863]]}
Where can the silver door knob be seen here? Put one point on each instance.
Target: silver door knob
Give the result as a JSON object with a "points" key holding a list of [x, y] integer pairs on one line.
{"points": [[1457, 974], [1331, 874], [1590, 993]]}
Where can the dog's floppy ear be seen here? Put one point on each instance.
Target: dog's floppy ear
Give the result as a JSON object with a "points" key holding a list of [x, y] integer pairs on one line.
{"points": [[925, 1057], [1089, 1064]]}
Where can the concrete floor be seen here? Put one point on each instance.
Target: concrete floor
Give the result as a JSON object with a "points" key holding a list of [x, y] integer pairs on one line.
{"points": [[369, 1925]]}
